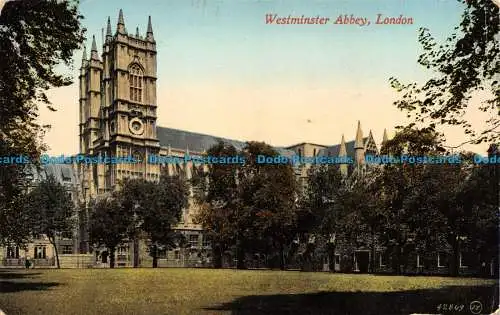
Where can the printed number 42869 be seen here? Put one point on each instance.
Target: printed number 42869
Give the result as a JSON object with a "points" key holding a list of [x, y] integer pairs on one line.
{"points": [[451, 307]]}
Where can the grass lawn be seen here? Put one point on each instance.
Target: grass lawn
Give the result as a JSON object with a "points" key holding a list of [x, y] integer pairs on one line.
{"points": [[207, 291]]}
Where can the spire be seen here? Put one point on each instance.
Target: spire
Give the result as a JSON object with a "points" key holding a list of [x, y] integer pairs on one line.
{"points": [[120, 18], [370, 135], [150, 26], [170, 166], [84, 54], [188, 171], [384, 137], [137, 32], [343, 155], [93, 50], [94, 45], [342, 150], [149, 33], [121, 23], [358, 144], [108, 29]]}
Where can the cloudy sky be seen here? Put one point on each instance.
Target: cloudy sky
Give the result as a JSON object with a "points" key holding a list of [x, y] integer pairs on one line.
{"points": [[223, 71]]}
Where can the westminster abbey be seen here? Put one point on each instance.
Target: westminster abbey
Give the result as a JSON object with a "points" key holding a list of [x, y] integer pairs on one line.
{"points": [[118, 113]]}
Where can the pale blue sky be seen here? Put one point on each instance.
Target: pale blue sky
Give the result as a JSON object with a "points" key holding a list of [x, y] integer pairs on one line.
{"points": [[223, 71], [200, 39]]}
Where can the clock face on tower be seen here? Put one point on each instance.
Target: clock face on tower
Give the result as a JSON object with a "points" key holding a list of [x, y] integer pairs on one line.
{"points": [[136, 126]]}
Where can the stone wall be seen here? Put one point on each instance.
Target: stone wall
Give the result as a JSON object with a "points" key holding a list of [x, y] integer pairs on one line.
{"points": [[76, 260]]}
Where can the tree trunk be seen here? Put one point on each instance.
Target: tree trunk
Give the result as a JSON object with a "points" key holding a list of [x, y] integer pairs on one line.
{"points": [[154, 253], [396, 261], [455, 258], [52, 240], [373, 260], [308, 257], [282, 257], [111, 257], [240, 256], [217, 256], [331, 257], [136, 252]]}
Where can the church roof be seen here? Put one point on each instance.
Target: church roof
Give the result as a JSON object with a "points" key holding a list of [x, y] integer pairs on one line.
{"points": [[302, 143], [198, 142], [63, 173], [335, 149]]}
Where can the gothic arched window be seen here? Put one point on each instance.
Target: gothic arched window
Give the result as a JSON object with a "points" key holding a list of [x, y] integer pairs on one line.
{"points": [[135, 83], [138, 165]]}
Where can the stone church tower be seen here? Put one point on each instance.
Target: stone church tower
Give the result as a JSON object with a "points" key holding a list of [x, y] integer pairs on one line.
{"points": [[118, 114], [118, 109]]}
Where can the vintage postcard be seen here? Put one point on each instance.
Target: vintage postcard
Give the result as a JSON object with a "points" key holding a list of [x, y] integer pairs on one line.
{"points": [[249, 156]]}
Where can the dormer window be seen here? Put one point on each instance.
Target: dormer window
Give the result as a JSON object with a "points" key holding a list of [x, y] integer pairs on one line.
{"points": [[66, 175], [135, 82]]}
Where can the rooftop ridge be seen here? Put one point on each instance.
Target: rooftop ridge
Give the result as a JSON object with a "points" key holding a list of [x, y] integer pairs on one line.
{"points": [[200, 145], [201, 134]]}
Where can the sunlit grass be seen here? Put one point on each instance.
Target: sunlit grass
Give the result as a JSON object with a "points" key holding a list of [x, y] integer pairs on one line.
{"points": [[181, 291]]}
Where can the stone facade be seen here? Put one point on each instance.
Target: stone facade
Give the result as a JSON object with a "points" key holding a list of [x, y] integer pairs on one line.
{"points": [[118, 114], [118, 111]]}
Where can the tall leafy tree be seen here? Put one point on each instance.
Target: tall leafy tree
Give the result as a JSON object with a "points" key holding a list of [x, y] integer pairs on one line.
{"points": [[467, 62], [109, 225], [320, 212], [360, 213], [134, 197], [435, 206], [164, 206], [398, 184], [50, 211], [155, 209], [372, 210], [482, 190], [251, 182], [465, 207], [35, 37], [395, 184], [219, 202], [252, 206], [268, 194]]}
